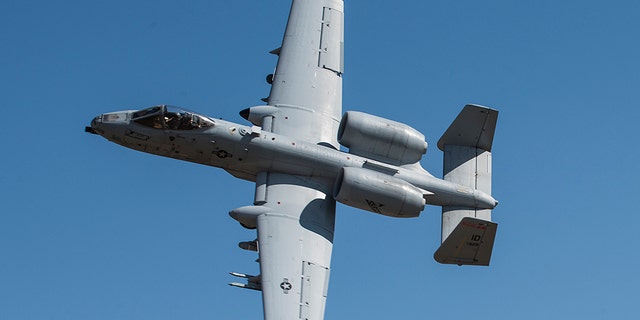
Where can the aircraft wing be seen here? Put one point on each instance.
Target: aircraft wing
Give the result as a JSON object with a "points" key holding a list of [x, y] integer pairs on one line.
{"points": [[295, 236], [296, 223], [307, 84]]}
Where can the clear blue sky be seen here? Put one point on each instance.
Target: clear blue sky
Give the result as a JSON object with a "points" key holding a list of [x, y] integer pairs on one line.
{"points": [[90, 230]]}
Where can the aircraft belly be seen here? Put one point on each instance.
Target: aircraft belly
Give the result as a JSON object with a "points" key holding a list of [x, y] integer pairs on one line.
{"points": [[276, 153]]}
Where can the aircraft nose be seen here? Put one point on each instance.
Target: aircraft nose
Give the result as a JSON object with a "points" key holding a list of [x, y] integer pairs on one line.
{"points": [[109, 123], [94, 125]]}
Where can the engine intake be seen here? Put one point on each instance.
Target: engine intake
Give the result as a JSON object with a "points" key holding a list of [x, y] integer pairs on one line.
{"points": [[377, 192], [381, 139]]}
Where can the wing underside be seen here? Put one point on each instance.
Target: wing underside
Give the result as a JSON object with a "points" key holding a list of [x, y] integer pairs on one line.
{"points": [[295, 215], [294, 243], [307, 84]]}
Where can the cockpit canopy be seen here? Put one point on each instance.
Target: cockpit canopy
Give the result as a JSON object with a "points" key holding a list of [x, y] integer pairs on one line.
{"points": [[171, 118]]}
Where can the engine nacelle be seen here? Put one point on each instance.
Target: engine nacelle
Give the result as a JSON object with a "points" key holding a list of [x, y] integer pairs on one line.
{"points": [[381, 139], [377, 192]]}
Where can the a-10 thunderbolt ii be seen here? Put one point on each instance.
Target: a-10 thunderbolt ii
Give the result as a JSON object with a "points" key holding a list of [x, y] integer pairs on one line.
{"points": [[292, 151]]}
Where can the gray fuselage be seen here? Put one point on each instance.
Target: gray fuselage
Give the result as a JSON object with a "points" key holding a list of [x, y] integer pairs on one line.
{"points": [[245, 151]]}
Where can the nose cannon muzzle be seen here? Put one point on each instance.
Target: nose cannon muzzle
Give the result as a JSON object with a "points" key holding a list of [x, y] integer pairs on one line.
{"points": [[90, 130]]}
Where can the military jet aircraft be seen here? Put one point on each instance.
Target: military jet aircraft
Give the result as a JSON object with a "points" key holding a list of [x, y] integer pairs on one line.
{"points": [[291, 149]]}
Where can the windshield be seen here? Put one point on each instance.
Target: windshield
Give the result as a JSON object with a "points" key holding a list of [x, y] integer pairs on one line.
{"points": [[171, 118]]}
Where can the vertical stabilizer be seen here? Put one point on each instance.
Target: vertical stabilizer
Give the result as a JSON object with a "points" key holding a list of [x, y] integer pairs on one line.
{"points": [[467, 162], [471, 243]]}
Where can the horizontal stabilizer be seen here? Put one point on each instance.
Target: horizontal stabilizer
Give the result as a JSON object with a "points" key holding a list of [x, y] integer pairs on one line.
{"points": [[470, 243]]}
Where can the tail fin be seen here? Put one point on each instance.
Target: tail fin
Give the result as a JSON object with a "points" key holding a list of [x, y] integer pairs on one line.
{"points": [[471, 242], [467, 161]]}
